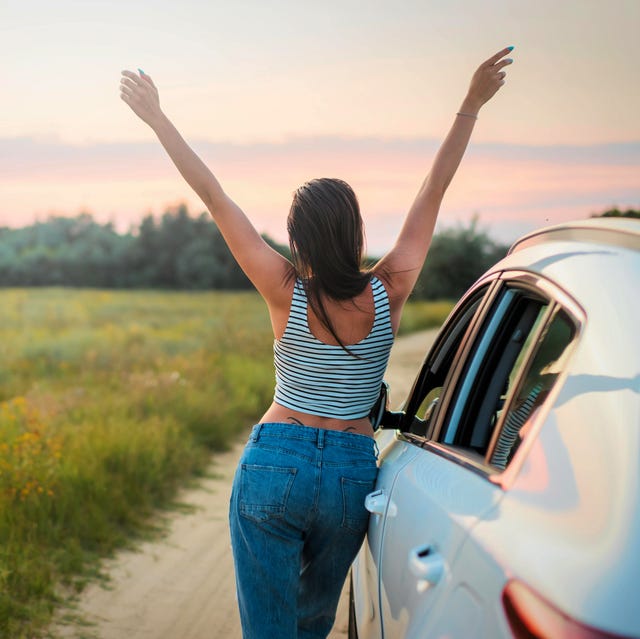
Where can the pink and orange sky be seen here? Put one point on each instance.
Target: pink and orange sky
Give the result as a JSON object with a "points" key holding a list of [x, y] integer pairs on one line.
{"points": [[272, 94]]}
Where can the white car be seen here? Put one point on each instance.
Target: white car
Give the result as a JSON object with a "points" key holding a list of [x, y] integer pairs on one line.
{"points": [[508, 497]]}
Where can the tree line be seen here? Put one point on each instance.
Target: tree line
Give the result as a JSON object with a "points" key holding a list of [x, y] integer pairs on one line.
{"points": [[180, 251], [177, 251]]}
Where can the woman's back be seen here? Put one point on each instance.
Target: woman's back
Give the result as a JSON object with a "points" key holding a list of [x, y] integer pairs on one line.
{"points": [[352, 319], [333, 378]]}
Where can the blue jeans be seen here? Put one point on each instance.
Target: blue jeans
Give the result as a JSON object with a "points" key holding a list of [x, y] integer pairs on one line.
{"points": [[297, 521]]}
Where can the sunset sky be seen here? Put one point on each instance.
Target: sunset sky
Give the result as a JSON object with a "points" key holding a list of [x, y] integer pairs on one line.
{"points": [[274, 93]]}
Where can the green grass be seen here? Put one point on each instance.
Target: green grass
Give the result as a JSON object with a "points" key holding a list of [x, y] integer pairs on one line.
{"points": [[109, 401], [421, 315]]}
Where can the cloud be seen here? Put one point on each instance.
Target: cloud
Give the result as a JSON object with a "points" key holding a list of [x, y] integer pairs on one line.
{"points": [[511, 187], [29, 155]]}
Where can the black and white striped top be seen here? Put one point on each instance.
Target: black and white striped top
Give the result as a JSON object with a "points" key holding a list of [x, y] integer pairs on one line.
{"points": [[323, 379]]}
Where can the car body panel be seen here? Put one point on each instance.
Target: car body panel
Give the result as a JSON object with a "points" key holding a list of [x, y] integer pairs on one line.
{"points": [[433, 506], [366, 580]]}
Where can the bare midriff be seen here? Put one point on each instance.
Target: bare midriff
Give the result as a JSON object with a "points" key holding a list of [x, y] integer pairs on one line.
{"points": [[281, 415]]}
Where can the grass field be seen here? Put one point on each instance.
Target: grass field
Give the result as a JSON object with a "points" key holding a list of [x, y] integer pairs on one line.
{"points": [[108, 402]]}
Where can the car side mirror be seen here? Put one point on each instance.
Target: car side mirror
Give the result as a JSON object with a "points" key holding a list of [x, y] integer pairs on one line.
{"points": [[380, 415], [380, 407], [392, 420]]}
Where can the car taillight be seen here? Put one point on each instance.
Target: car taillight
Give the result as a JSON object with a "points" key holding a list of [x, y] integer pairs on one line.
{"points": [[532, 617]]}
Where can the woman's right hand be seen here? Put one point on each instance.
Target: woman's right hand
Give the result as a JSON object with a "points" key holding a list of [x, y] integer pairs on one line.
{"points": [[141, 94], [486, 81]]}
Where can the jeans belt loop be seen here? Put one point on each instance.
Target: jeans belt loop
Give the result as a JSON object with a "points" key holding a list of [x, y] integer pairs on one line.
{"points": [[321, 435], [255, 436]]}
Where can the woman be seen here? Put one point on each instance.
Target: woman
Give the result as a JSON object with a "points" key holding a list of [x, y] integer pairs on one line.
{"points": [[297, 512]]}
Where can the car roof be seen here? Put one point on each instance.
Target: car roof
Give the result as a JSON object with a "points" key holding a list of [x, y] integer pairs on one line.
{"points": [[613, 231], [591, 260]]}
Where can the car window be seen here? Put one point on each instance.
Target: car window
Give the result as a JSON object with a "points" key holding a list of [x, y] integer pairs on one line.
{"points": [[425, 396], [530, 393], [516, 358], [508, 334]]}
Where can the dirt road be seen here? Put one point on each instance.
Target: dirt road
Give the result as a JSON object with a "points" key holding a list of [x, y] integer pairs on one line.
{"points": [[182, 586]]}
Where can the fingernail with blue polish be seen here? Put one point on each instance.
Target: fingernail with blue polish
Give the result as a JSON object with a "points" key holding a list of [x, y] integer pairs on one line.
{"points": [[510, 48], [141, 71]]}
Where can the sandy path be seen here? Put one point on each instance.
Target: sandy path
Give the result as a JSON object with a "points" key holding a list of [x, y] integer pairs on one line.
{"points": [[182, 586]]}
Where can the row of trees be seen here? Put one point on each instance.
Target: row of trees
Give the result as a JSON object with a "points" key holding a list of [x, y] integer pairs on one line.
{"points": [[178, 251], [619, 213]]}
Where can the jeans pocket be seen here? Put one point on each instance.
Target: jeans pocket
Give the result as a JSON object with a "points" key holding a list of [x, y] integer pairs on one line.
{"points": [[355, 516], [264, 491]]}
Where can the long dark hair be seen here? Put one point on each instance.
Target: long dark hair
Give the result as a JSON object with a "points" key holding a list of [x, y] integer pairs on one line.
{"points": [[326, 238]]}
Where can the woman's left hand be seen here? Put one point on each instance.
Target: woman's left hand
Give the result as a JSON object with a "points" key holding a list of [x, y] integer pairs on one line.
{"points": [[487, 79], [141, 94]]}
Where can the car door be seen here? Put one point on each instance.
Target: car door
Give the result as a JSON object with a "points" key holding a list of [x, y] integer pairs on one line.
{"points": [[445, 488], [432, 506]]}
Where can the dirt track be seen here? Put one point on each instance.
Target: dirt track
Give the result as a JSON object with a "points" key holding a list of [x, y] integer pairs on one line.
{"points": [[182, 586]]}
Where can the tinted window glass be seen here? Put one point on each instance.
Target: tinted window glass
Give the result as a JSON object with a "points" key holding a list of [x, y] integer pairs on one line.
{"points": [[531, 392], [429, 385]]}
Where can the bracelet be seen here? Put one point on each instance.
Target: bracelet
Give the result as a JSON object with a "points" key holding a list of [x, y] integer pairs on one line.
{"points": [[467, 115]]}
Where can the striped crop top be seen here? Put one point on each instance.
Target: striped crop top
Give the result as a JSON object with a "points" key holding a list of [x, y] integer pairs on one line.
{"points": [[323, 379]]}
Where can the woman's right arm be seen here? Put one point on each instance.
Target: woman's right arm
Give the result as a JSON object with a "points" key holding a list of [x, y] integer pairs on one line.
{"points": [[265, 267], [403, 263]]}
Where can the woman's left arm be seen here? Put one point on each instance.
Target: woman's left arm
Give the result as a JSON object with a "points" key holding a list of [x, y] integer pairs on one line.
{"points": [[263, 266], [406, 258]]}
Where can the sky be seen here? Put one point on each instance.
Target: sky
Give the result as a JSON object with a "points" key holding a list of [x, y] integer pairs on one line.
{"points": [[271, 94]]}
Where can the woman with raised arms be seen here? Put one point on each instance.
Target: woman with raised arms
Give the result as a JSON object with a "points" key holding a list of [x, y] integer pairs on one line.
{"points": [[297, 514]]}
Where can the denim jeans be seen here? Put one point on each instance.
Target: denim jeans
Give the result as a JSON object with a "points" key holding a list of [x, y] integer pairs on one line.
{"points": [[297, 521]]}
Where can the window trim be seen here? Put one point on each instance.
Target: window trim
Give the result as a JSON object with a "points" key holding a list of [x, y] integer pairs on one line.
{"points": [[452, 453], [558, 299]]}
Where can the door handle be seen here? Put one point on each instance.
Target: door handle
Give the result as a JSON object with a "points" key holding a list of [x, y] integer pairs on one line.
{"points": [[426, 564], [376, 502]]}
